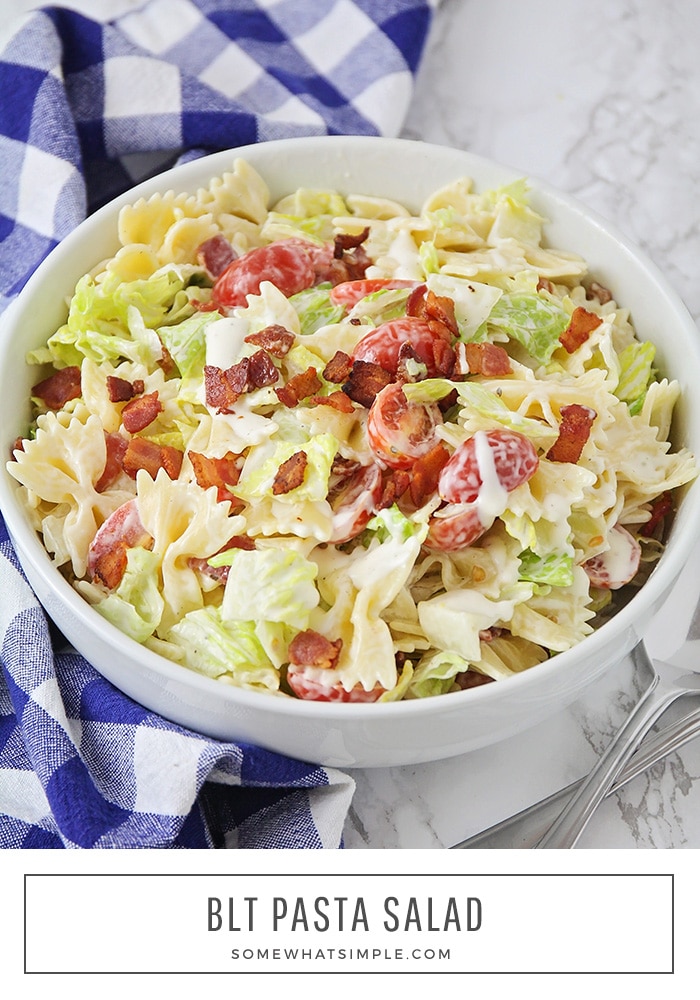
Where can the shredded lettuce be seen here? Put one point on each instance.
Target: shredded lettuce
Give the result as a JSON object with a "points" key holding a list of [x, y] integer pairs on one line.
{"points": [[271, 585], [533, 320], [315, 309], [555, 570], [636, 372], [136, 606], [320, 452]]}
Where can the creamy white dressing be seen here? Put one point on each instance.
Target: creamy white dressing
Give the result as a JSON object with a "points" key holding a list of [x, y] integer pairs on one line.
{"points": [[621, 560], [493, 497], [224, 340]]}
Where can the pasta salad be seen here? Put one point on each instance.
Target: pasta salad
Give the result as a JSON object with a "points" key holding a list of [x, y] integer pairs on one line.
{"points": [[334, 449]]}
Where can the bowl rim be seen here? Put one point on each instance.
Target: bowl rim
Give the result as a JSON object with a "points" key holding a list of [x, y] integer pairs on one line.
{"points": [[185, 175]]}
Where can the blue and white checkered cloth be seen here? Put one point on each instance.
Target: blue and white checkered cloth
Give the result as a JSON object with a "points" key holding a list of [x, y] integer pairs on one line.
{"points": [[89, 108]]}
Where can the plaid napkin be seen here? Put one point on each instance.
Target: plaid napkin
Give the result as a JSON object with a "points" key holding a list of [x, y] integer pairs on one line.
{"points": [[88, 109]]}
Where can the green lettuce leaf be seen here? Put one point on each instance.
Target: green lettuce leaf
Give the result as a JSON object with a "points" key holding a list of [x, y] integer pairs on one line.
{"points": [[268, 585], [636, 372], [533, 320], [554, 570], [315, 309], [136, 606]]}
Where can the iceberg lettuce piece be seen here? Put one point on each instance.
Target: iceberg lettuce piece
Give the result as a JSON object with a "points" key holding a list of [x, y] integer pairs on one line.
{"points": [[554, 570], [136, 606], [474, 302], [380, 306], [636, 372], [220, 648], [186, 342], [268, 585], [533, 320], [106, 320], [315, 309], [435, 674], [320, 452], [477, 397], [452, 621]]}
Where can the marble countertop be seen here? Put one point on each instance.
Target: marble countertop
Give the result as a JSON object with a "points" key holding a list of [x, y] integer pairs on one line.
{"points": [[601, 100]]}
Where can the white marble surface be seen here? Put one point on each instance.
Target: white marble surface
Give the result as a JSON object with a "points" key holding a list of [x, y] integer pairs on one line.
{"points": [[602, 99]]}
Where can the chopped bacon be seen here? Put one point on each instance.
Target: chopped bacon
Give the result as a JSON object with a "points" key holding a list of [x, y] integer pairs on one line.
{"points": [[141, 411], [215, 255], [275, 339], [116, 446], [290, 473], [300, 386], [338, 368], [346, 241], [338, 400], [262, 370], [166, 362], [120, 390], [545, 285], [222, 388], [365, 381], [581, 326], [395, 485], [56, 390], [426, 472], [597, 291], [470, 679], [662, 506], [109, 567], [144, 454], [488, 359], [427, 305], [311, 649], [574, 431], [17, 446], [220, 472]]}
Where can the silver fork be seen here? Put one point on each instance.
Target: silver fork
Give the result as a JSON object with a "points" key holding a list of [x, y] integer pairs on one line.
{"points": [[668, 683], [525, 828]]}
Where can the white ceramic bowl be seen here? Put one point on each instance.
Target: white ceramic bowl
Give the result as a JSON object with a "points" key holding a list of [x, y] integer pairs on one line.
{"points": [[339, 734]]}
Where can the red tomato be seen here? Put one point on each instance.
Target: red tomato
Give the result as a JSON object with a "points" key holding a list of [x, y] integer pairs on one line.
{"points": [[615, 567], [123, 527], [306, 686], [400, 432], [455, 531], [349, 293], [354, 503], [286, 264], [382, 345], [514, 458]]}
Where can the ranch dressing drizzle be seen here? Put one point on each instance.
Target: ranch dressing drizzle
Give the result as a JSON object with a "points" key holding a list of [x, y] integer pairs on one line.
{"points": [[493, 497]]}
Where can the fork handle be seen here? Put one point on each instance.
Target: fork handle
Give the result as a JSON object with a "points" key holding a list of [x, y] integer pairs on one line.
{"points": [[568, 827]]}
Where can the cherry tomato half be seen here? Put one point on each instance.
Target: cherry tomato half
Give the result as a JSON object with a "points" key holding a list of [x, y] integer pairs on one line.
{"points": [[514, 461], [382, 345], [306, 686], [400, 432], [287, 264], [456, 530], [619, 564], [349, 293], [354, 502]]}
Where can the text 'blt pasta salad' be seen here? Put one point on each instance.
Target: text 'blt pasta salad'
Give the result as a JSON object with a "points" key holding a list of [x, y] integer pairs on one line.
{"points": [[334, 450]]}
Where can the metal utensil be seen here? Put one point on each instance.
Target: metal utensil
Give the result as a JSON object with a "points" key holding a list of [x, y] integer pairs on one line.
{"points": [[667, 684], [527, 827]]}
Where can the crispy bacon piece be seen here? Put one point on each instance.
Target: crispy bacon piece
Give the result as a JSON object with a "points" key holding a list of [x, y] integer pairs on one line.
{"points": [[394, 486], [488, 359], [141, 411], [574, 431], [338, 368], [545, 285], [426, 472], [275, 339], [581, 326], [261, 370], [120, 390], [365, 381], [56, 390], [166, 361], [144, 454], [109, 567], [471, 679], [215, 255], [290, 473], [346, 241], [116, 446], [300, 386], [427, 305], [338, 400], [660, 508], [222, 388], [597, 291], [311, 649], [220, 472]]}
